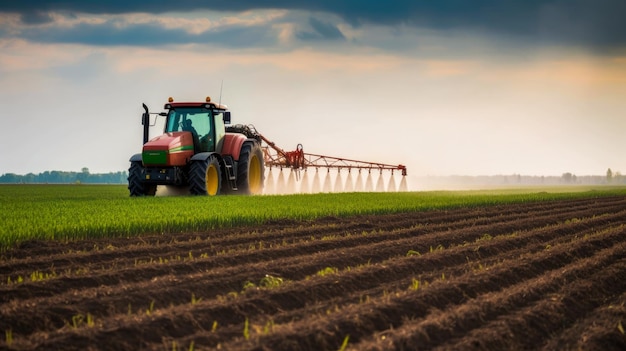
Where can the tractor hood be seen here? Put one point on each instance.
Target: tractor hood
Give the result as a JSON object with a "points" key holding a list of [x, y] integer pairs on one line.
{"points": [[169, 149]]}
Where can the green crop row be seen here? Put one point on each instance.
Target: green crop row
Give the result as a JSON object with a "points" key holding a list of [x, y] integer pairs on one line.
{"points": [[70, 212]]}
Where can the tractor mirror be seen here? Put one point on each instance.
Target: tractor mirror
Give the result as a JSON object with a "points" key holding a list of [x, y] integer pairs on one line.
{"points": [[227, 117]]}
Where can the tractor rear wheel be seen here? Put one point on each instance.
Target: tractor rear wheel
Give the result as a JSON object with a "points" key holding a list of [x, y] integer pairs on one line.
{"points": [[205, 177], [250, 169], [136, 186]]}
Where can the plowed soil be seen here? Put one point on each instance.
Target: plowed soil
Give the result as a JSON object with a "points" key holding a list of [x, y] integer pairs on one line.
{"points": [[544, 275]]}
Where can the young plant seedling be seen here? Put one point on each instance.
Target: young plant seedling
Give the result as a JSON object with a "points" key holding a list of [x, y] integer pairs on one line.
{"points": [[246, 329]]}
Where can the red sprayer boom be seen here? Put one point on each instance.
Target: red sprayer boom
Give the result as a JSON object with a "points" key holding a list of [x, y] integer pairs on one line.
{"points": [[298, 161]]}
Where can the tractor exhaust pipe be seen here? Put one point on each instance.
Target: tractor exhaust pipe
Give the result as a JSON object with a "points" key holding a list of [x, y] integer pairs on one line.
{"points": [[145, 121]]}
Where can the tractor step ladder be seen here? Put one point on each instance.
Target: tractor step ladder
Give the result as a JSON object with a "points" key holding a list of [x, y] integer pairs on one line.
{"points": [[230, 173]]}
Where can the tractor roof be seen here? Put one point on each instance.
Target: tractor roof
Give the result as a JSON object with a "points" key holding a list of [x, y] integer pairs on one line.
{"points": [[208, 104]]}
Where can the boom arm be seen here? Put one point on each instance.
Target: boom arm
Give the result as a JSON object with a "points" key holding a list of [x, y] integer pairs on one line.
{"points": [[298, 159]]}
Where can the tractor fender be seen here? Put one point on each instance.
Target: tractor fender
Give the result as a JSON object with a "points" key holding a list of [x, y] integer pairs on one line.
{"points": [[232, 144], [203, 156], [136, 158]]}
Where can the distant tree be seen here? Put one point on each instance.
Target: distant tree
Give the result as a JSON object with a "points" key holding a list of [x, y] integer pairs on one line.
{"points": [[60, 177], [83, 175], [609, 176], [9, 178], [567, 177]]}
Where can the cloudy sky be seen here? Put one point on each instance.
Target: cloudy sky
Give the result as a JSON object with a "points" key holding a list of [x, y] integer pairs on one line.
{"points": [[448, 87]]}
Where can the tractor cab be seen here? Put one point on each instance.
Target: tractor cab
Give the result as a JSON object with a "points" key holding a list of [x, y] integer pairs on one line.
{"points": [[205, 121]]}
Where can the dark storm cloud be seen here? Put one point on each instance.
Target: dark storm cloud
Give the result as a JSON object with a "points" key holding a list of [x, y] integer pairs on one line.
{"points": [[322, 30], [109, 33], [36, 17], [592, 23]]}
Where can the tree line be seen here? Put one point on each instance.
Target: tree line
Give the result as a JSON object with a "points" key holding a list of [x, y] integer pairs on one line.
{"points": [[64, 177]]}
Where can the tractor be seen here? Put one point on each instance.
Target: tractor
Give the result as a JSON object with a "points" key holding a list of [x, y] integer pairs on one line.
{"points": [[198, 151]]}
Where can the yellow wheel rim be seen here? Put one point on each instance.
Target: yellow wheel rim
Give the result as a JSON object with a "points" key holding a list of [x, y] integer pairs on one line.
{"points": [[212, 180], [255, 180]]}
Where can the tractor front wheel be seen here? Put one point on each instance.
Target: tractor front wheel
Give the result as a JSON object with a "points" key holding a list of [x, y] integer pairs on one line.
{"points": [[250, 169], [205, 177], [136, 186]]}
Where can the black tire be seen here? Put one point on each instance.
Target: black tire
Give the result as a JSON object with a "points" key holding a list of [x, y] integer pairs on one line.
{"points": [[205, 177], [136, 186], [250, 169]]}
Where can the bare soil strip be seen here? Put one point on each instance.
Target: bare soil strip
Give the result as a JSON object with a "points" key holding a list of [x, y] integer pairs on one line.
{"points": [[545, 274]]}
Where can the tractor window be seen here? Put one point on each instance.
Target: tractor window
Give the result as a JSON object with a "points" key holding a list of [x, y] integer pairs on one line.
{"points": [[220, 129], [199, 121]]}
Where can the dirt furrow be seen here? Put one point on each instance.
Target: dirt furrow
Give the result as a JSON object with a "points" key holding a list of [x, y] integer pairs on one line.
{"points": [[175, 290], [602, 329], [441, 326], [391, 311], [382, 283], [429, 279], [532, 327], [269, 302]]}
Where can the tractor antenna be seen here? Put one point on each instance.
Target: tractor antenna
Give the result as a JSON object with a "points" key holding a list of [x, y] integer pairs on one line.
{"points": [[221, 86]]}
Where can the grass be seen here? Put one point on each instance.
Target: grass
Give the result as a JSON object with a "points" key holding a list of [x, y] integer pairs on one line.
{"points": [[270, 281], [344, 344], [72, 212], [328, 270]]}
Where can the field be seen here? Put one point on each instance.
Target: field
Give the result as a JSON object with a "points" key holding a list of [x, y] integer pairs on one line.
{"points": [[442, 271], [71, 212]]}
